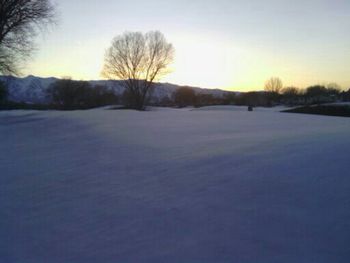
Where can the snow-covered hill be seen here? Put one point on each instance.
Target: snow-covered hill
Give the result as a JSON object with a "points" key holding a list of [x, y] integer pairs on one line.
{"points": [[33, 89]]}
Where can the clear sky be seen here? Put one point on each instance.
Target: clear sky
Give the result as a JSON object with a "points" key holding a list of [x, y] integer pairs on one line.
{"points": [[230, 44]]}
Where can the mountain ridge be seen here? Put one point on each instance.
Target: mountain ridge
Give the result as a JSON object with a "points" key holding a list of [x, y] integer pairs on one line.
{"points": [[33, 89]]}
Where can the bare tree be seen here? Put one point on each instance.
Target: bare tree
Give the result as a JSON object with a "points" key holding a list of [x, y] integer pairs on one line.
{"points": [[138, 59], [290, 92], [274, 85], [19, 23]]}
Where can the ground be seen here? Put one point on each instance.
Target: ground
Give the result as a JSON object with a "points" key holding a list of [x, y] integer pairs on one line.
{"points": [[217, 184]]}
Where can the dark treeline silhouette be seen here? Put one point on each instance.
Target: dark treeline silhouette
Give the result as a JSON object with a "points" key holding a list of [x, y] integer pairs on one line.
{"points": [[186, 96], [290, 96], [315, 100], [67, 94], [276, 94], [317, 94], [253, 99]]}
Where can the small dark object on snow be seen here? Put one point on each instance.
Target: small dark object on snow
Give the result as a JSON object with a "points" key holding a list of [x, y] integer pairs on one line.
{"points": [[250, 108]]}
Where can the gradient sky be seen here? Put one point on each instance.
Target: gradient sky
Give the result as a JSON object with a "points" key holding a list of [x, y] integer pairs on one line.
{"points": [[230, 44]]}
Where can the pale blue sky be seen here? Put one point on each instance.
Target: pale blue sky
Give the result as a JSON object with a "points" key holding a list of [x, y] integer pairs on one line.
{"points": [[232, 44]]}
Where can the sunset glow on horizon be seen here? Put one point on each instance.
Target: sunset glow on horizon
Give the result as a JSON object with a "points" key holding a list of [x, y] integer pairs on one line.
{"points": [[233, 45]]}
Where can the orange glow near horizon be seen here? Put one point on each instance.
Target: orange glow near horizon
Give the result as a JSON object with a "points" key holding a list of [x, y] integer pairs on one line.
{"points": [[199, 62]]}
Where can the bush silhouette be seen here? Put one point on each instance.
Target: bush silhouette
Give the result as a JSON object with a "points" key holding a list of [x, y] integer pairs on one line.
{"points": [[67, 94], [3, 92], [184, 96]]}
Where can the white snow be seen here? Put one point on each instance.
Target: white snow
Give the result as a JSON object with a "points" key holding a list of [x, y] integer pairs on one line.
{"points": [[174, 185]]}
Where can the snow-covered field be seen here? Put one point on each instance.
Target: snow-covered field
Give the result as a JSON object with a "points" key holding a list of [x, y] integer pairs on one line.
{"points": [[216, 184]]}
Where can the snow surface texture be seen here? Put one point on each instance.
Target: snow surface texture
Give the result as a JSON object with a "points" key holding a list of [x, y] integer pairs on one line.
{"points": [[34, 89], [223, 185]]}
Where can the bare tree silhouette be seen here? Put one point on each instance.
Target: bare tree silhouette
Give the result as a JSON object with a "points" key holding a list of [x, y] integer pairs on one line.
{"points": [[19, 23], [138, 59], [274, 85]]}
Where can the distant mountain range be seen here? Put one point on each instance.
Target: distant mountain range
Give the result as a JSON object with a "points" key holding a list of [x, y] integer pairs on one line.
{"points": [[33, 89]]}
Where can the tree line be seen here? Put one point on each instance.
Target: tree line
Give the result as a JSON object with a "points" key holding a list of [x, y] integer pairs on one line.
{"points": [[276, 93], [272, 95]]}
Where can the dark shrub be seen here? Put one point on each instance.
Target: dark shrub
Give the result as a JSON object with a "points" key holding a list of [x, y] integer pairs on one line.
{"points": [[101, 96], [229, 98], [206, 100], [317, 94], [252, 99], [130, 100], [184, 96], [3, 92], [67, 94], [166, 102], [291, 96]]}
